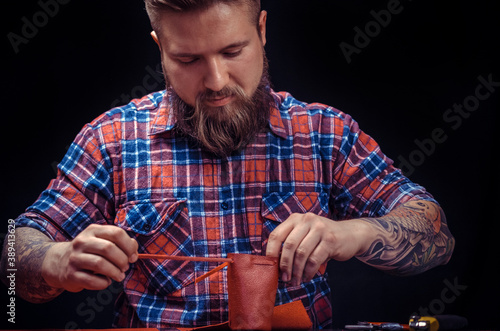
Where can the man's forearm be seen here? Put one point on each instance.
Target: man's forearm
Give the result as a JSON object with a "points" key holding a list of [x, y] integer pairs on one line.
{"points": [[410, 239], [31, 247]]}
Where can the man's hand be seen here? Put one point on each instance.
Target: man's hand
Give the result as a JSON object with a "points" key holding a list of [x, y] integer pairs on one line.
{"points": [[98, 255], [309, 240]]}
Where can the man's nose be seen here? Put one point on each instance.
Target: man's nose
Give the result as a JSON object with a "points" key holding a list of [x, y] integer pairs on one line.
{"points": [[216, 76]]}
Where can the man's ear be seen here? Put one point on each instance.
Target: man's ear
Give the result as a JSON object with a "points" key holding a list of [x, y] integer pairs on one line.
{"points": [[262, 26], [155, 38]]}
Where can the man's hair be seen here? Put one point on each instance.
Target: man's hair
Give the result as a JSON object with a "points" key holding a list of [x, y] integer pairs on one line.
{"points": [[155, 7]]}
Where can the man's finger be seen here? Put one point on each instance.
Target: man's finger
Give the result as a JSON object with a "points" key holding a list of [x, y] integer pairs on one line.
{"points": [[88, 280], [120, 238], [294, 254], [314, 262], [308, 244], [276, 239], [98, 265], [109, 251]]}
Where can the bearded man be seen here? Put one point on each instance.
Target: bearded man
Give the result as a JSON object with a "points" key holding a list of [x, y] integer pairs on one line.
{"points": [[219, 163]]}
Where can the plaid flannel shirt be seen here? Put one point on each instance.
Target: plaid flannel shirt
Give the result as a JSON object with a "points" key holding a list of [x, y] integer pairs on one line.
{"points": [[129, 168]]}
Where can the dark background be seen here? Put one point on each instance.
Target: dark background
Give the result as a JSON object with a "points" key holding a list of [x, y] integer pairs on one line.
{"points": [[87, 56]]}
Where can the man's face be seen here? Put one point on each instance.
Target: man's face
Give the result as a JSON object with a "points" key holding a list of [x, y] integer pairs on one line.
{"points": [[209, 50]]}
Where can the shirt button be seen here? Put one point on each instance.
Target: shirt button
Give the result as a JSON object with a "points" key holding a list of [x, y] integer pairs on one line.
{"points": [[224, 205], [146, 227]]}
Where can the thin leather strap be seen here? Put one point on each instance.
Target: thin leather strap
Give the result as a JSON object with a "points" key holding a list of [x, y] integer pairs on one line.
{"points": [[214, 270], [192, 258], [184, 258]]}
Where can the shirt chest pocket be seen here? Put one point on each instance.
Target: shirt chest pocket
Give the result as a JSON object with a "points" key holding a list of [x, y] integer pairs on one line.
{"points": [[276, 207], [160, 227]]}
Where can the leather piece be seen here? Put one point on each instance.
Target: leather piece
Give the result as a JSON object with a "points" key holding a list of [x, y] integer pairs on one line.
{"points": [[252, 285], [291, 316]]}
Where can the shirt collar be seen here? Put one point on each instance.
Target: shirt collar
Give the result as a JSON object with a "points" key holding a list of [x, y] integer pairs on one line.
{"points": [[164, 121]]}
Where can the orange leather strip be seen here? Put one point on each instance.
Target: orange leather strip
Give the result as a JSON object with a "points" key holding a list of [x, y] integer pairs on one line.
{"points": [[214, 270], [184, 258]]}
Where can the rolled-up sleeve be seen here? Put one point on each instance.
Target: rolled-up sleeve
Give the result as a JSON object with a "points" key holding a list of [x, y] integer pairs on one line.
{"points": [[81, 194], [365, 182]]}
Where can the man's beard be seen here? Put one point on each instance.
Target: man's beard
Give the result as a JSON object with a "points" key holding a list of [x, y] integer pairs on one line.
{"points": [[223, 130]]}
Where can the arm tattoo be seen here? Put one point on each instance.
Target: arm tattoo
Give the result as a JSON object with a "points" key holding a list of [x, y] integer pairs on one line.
{"points": [[410, 239], [31, 247]]}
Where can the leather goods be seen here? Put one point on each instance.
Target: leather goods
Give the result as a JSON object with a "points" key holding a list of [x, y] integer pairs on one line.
{"points": [[252, 282], [289, 316]]}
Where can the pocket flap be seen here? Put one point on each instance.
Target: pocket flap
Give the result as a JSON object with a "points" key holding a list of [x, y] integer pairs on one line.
{"points": [[278, 206], [160, 226], [146, 217]]}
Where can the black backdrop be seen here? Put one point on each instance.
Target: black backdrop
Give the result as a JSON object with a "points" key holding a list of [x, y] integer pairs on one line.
{"points": [[408, 71]]}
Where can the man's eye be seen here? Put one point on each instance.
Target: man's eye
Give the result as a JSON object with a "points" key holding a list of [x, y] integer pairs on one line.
{"points": [[233, 54], [187, 61]]}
